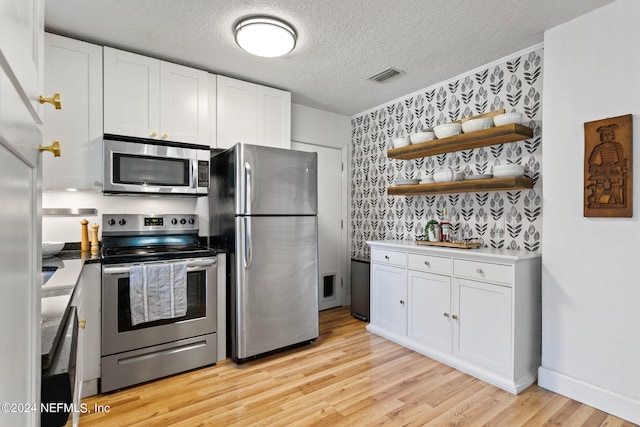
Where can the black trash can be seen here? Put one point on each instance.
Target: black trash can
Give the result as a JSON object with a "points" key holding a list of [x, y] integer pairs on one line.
{"points": [[360, 276]]}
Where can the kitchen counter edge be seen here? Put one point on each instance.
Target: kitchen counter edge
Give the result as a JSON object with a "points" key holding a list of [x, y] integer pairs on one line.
{"points": [[487, 253]]}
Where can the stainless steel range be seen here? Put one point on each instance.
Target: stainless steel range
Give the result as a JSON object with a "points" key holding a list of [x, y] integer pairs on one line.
{"points": [[158, 298]]}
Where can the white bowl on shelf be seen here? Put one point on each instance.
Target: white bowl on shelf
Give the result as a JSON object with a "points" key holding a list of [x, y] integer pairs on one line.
{"points": [[503, 171], [474, 125], [49, 249], [447, 175], [447, 130], [419, 137], [402, 141], [507, 119]]}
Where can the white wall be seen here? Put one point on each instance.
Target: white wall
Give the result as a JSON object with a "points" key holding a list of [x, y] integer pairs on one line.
{"points": [[591, 289]]}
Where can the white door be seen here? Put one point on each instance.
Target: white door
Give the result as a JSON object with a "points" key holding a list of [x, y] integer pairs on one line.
{"points": [[131, 94], [184, 104], [429, 316], [74, 69], [19, 258], [482, 324], [236, 112], [330, 284], [389, 298]]}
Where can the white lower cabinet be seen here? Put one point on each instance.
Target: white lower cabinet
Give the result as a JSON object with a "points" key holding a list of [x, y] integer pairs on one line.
{"points": [[388, 302], [86, 299], [477, 311], [483, 324], [430, 310]]}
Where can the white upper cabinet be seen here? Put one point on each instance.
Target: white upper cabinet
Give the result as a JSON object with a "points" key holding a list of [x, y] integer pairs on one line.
{"points": [[148, 98], [21, 49], [253, 114], [74, 69]]}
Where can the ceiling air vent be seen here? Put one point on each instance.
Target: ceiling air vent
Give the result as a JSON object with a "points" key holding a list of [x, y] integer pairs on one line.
{"points": [[385, 74]]}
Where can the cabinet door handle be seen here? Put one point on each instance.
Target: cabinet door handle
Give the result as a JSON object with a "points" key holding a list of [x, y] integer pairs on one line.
{"points": [[454, 316], [402, 302], [82, 323], [445, 314], [54, 148], [427, 264], [154, 134], [165, 136], [479, 271], [55, 100], [386, 257]]}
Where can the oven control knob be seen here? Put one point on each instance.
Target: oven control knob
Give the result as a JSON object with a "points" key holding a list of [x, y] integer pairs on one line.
{"points": [[183, 221], [174, 221], [122, 221], [192, 221], [111, 222]]}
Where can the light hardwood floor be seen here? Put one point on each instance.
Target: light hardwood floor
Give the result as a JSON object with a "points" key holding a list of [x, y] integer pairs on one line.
{"points": [[347, 377]]}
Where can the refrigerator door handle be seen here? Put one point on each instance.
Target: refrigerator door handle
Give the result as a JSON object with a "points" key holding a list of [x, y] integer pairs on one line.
{"points": [[247, 243], [247, 188]]}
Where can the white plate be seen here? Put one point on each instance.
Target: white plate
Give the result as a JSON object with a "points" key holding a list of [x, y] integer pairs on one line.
{"points": [[485, 176], [407, 181]]}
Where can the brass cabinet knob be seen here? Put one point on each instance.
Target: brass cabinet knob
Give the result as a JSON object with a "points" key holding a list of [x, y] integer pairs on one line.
{"points": [[154, 134], [82, 323], [165, 135], [53, 148], [55, 100]]}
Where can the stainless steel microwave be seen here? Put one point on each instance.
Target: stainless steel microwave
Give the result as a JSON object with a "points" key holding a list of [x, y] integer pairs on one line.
{"points": [[142, 166]]}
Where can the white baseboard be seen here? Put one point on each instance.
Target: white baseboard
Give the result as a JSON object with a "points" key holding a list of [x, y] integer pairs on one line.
{"points": [[589, 394]]}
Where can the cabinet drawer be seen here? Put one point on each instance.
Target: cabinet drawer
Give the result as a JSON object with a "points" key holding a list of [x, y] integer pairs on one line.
{"points": [[382, 256], [429, 263], [484, 271]]}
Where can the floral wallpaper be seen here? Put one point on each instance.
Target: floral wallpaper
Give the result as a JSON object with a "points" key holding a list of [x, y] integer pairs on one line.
{"points": [[504, 219]]}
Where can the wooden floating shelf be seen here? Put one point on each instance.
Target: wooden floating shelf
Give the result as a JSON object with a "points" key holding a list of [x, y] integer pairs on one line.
{"points": [[464, 141], [464, 186]]}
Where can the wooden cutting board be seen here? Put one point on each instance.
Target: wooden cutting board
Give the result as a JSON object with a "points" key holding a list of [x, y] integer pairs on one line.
{"points": [[460, 245]]}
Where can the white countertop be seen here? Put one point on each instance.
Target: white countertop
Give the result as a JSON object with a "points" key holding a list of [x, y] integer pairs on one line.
{"points": [[488, 253]]}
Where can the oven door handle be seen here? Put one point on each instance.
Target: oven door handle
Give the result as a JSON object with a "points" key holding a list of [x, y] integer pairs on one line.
{"points": [[192, 265], [200, 264], [115, 270]]}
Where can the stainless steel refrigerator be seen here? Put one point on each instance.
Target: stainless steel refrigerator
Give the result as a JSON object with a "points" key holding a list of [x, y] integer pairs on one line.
{"points": [[263, 206]]}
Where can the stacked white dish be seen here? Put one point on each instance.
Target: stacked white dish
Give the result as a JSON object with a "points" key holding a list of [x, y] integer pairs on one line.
{"points": [[407, 181], [448, 129], [419, 137], [503, 171], [402, 141], [447, 175], [474, 125], [482, 176], [507, 119]]}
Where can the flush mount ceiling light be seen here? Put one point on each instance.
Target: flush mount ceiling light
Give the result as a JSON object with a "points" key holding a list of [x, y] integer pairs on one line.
{"points": [[265, 36]]}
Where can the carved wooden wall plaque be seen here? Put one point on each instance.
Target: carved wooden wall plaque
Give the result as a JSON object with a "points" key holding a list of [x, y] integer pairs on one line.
{"points": [[607, 167]]}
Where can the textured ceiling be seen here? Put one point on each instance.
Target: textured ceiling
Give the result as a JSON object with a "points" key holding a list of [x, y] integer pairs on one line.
{"points": [[340, 43]]}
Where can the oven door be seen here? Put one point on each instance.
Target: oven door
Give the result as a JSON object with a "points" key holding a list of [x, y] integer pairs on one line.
{"points": [[118, 333]]}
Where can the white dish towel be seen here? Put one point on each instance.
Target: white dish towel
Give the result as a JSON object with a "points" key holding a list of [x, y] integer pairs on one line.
{"points": [[157, 291]]}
